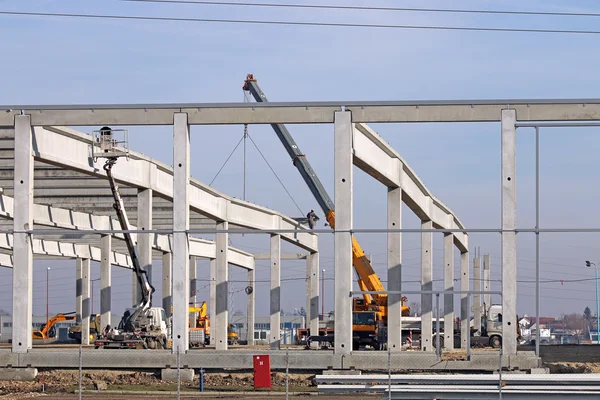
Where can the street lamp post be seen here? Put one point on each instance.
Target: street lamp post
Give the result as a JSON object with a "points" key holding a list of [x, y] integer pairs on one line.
{"points": [[47, 296], [323, 295], [589, 264]]}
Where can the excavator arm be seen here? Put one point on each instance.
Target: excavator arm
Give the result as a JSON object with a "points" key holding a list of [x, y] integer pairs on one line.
{"points": [[44, 332]]}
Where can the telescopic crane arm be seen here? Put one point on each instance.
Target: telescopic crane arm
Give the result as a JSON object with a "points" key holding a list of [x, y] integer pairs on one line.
{"points": [[367, 278]]}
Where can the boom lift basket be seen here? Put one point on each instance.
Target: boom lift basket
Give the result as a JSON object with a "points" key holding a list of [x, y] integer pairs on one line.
{"points": [[110, 143]]}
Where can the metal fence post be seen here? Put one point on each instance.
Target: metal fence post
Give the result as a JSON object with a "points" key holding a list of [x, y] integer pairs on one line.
{"points": [[500, 376], [389, 373], [468, 327], [202, 379], [80, 368], [287, 374], [178, 374]]}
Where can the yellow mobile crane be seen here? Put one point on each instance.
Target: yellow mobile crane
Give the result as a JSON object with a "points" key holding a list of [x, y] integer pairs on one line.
{"points": [[369, 310]]}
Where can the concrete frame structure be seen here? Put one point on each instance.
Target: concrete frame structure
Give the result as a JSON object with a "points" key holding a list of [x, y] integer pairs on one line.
{"points": [[504, 111]]}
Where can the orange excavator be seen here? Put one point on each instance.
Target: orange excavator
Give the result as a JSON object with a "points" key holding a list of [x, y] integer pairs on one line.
{"points": [[371, 309], [48, 330]]}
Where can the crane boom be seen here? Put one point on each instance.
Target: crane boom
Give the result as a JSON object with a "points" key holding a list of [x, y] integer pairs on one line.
{"points": [[366, 275]]}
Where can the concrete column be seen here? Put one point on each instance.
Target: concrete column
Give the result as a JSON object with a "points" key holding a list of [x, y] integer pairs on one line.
{"points": [[86, 301], [509, 238], [477, 297], [487, 298], [426, 284], [313, 311], [275, 335], [465, 312], [181, 223], [394, 207], [449, 286], [167, 268], [219, 329], [307, 291], [193, 285], [78, 289], [251, 308], [105, 282], [343, 147], [22, 250], [144, 240], [212, 305]]}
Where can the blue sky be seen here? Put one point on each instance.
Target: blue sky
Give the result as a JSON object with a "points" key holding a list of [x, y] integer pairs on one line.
{"points": [[69, 61]]}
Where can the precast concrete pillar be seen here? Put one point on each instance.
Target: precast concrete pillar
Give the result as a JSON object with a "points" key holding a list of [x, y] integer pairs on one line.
{"points": [[509, 236], [275, 293], [181, 223], [477, 297], [167, 297], [22, 281], [343, 148], [144, 240], [105, 281], [449, 286], [251, 308], [313, 311], [193, 285], [222, 289], [212, 305], [487, 298], [86, 301], [394, 256], [426, 284], [78, 290], [465, 312]]}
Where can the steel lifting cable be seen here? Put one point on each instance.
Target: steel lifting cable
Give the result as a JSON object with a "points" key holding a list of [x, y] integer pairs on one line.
{"points": [[225, 163], [275, 173]]}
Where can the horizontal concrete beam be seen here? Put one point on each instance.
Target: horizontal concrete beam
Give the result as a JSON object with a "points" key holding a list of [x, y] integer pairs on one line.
{"points": [[72, 150], [376, 157], [305, 112], [284, 256]]}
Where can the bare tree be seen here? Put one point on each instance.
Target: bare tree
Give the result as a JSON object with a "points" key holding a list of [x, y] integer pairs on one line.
{"points": [[415, 308]]}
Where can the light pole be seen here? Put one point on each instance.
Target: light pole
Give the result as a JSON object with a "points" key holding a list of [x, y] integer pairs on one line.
{"points": [[323, 295], [589, 264], [92, 280], [47, 297]]}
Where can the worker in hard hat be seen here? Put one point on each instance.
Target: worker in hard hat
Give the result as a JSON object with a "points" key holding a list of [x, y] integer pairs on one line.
{"points": [[312, 218]]}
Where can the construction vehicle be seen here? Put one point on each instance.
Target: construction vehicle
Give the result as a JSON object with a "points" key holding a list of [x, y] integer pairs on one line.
{"points": [[367, 278], [48, 330], [142, 326], [95, 329], [199, 329]]}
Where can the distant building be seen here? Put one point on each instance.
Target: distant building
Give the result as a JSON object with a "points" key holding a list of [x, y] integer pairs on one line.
{"points": [[262, 328]]}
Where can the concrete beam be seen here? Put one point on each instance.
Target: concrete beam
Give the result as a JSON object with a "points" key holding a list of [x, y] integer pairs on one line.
{"points": [[86, 301], [22, 279], [449, 286], [426, 284], [379, 159], [219, 329], [181, 212], [465, 312], [284, 256], [394, 272], [509, 236], [105, 283], [69, 149], [275, 293], [251, 312], [343, 149], [305, 112]]}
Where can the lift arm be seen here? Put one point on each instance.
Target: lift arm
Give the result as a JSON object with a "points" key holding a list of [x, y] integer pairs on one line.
{"points": [[361, 263], [142, 276]]}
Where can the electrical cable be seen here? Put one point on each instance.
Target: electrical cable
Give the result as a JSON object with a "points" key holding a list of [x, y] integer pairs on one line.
{"points": [[297, 23], [370, 8]]}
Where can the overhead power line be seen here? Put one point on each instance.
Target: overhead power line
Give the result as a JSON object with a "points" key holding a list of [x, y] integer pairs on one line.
{"points": [[296, 23], [370, 8]]}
